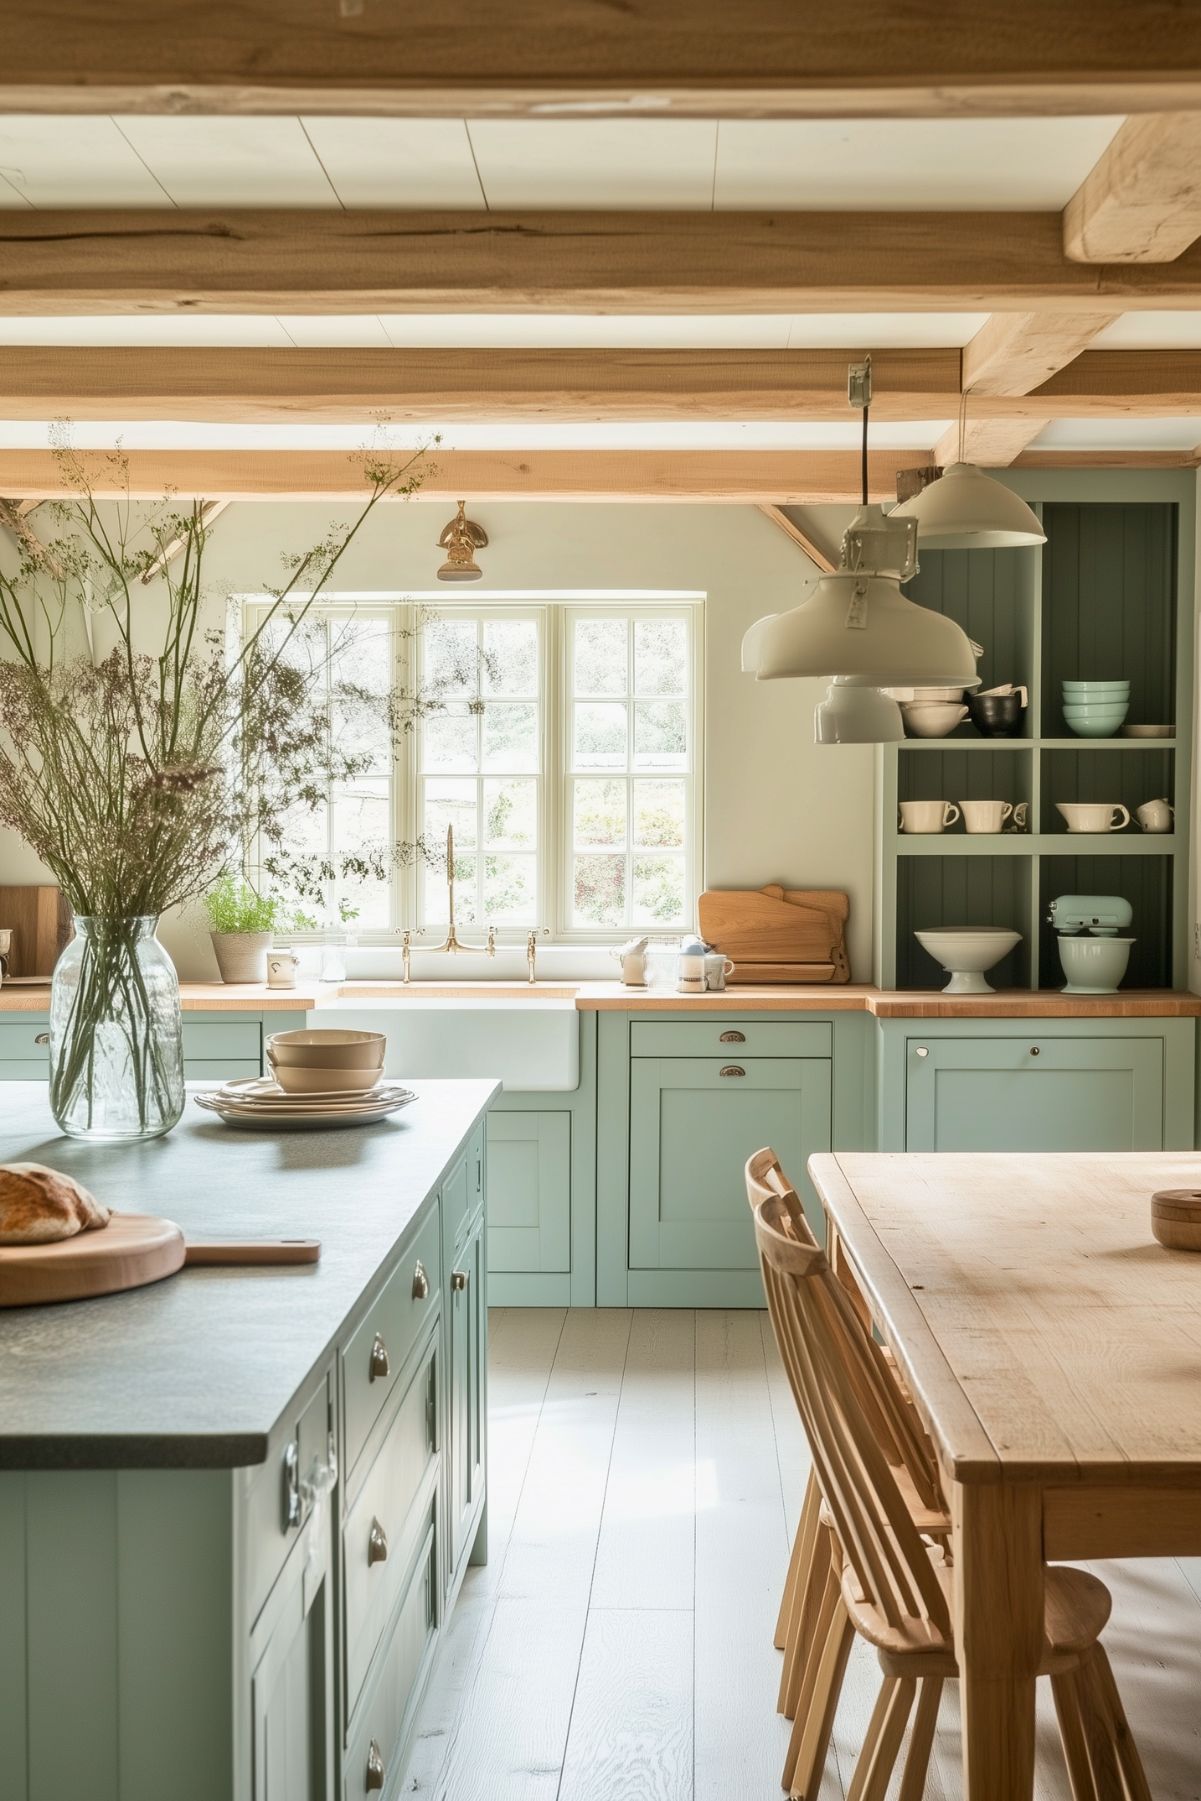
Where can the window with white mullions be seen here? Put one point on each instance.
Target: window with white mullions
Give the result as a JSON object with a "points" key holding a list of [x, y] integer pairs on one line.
{"points": [[481, 765], [630, 769]]}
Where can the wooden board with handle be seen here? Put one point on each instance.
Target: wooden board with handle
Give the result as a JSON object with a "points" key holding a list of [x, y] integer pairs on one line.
{"points": [[40, 921], [776, 934]]}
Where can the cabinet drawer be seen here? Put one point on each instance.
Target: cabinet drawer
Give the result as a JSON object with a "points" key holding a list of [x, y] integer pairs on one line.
{"points": [[19, 1041], [396, 1318], [381, 1528], [269, 1535], [463, 1192], [378, 1740], [719, 1036], [222, 1040]]}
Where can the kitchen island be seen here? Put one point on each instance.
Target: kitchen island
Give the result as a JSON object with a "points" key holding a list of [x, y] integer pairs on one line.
{"points": [[236, 1506]]}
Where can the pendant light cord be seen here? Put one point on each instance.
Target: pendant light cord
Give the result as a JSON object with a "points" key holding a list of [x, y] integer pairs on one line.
{"points": [[962, 421], [863, 454]]}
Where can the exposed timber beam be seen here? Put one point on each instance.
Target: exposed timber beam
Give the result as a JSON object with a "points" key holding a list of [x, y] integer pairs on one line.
{"points": [[1010, 355], [992, 443], [564, 57], [210, 512], [1141, 202], [791, 529], [363, 262]]}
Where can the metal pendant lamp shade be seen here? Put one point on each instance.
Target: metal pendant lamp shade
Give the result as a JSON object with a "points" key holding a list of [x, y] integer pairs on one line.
{"points": [[968, 510]]}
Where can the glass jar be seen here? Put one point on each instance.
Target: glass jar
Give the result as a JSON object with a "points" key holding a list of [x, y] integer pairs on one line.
{"points": [[116, 1035]]}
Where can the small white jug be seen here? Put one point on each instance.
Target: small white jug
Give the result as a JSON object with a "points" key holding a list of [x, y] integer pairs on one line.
{"points": [[632, 957], [281, 968], [1156, 816]]}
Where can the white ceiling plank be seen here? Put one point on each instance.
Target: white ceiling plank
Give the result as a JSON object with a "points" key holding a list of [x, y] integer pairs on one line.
{"points": [[933, 165], [1120, 434], [584, 331], [398, 162], [882, 331], [336, 330], [194, 331], [1151, 331], [201, 161], [652, 164], [65, 162]]}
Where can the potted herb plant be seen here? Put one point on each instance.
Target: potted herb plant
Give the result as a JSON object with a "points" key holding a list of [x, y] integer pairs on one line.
{"points": [[241, 922]]}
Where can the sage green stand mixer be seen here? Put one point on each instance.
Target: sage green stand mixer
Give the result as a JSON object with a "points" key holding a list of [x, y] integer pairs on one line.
{"points": [[1092, 951]]}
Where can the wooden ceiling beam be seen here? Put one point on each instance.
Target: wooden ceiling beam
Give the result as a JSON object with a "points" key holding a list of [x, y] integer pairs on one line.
{"points": [[1013, 353], [204, 261], [792, 529], [1141, 202], [768, 58]]}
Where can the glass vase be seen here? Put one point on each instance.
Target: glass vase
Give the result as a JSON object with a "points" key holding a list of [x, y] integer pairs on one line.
{"points": [[116, 1037]]}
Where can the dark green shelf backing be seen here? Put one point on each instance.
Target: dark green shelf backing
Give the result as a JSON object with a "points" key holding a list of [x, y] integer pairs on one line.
{"points": [[1146, 882], [1109, 587], [966, 775], [961, 891], [1130, 777], [991, 594]]}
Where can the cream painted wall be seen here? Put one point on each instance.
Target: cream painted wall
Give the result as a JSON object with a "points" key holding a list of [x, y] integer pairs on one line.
{"points": [[777, 807]]}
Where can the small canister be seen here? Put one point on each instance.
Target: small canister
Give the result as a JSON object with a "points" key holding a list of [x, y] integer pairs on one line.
{"points": [[690, 970], [281, 968]]}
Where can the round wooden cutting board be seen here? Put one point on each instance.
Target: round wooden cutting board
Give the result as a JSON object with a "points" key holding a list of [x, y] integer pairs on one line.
{"points": [[132, 1249]]}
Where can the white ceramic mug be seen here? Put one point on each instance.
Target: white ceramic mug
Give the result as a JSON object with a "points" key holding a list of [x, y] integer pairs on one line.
{"points": [[990, 815], [281, 968], [717, 968], [1156, 816], [927, 815], [1093, 816]]}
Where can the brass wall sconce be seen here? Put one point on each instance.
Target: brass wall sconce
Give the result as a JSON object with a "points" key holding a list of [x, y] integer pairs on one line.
{"points": [[460, 539]]}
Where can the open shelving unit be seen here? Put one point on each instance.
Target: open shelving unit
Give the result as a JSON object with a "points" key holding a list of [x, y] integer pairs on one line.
{"points": [[1109, 595]]}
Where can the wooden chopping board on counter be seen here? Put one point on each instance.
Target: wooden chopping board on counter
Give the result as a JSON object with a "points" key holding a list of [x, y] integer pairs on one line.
{"points": [[777, 934], [132, 1250]]}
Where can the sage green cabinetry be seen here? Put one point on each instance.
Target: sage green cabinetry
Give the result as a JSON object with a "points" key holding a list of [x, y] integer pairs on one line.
{"points": [[216, 1046], [1037, 1085]]}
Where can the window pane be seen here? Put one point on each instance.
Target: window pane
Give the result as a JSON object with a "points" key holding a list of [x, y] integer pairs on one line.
{"points": [[450, 662], [659, 814], [510, 735], [600, 814], [660, 734], [433, 889], [449, 803], [511, 815], [600, 735], [601, 659], [362, 833], [510, 890], [303, 838], [510, 656], [448, 740], [360, 674], [658, 890], [660, 656], [600, 891]]}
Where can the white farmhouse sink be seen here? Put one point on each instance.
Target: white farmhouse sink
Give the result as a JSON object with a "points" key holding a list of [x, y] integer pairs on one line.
{"points": [[527, 1044]]}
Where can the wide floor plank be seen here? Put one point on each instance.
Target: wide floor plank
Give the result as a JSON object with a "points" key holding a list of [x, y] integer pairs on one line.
{"points": [[631, 1727]]}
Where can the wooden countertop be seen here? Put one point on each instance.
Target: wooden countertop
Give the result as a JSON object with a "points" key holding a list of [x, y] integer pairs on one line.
{"points": [[605, 997]]}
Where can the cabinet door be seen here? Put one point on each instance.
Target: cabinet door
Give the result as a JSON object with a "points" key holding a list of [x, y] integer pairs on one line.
{"points": [[1034, 1094], [693, 1124], [468, 1349], [529, 1192], [292, 1694]]}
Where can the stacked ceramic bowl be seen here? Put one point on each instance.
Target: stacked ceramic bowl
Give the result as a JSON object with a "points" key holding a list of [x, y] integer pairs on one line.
{"points": [[1095, 709], [318, 1078], [326, 1061]]}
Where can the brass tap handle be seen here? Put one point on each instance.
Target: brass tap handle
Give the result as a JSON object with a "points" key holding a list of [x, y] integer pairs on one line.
{"points": [[490, 947], [421, 1283], [377, 1544], [531, 955], [375, 1767], [379, 1367]]}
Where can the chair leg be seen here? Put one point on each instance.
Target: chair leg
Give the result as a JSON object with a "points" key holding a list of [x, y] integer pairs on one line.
{"points": [[814, 1722], [1129, 1762], [806, 1622], [799, 1562], [877, 1760], [1065, 1691], [921, 1744], [1098, 1732]]}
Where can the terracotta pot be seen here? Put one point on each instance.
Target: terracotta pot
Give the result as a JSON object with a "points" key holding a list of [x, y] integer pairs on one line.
{"points": [[241, 956]]}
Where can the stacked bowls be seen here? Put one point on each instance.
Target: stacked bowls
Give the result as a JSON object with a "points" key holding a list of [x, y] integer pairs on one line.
{"points": [[1095, 709], [326, 1061]]}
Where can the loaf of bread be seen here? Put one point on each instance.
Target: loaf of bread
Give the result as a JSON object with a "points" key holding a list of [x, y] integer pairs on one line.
{"points": [[38, 1205]]}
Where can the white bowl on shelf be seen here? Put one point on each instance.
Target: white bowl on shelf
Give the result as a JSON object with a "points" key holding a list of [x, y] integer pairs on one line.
{"points": [[932, 719], [965, 952]]}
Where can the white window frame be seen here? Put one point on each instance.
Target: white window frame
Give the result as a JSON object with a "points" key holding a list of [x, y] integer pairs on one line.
{"points": [[554, 608]]}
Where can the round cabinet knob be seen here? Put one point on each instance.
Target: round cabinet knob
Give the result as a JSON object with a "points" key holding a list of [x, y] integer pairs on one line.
{"points": [[1034, 1050], [42, 1038], [377, 1544], [921, 1050], [459, 1279], [421, 1283], [732, 1069], [375, 1767], [378, 1367]]}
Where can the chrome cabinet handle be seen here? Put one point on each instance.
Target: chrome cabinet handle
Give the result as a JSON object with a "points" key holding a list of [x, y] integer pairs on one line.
{"points": [[732, 1069], [375, 1766], [459, 1279], [42, 1038], [421, 1283], [732, 1038], [377, 1544], [920, 1050], [378, 1366]]}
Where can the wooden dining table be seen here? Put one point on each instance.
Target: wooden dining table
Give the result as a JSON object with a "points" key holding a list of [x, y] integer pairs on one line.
{"points": [[1053, 1351]]}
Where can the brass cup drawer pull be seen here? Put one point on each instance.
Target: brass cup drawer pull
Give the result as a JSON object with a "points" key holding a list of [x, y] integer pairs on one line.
{"points": [[459, 1279], [42, 1038], [375, 1767], [421, 1283], [378, 1367], [732, 1038], [732, 1069], [377, 1544]]}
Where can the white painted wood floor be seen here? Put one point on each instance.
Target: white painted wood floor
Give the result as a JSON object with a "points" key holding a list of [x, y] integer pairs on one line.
{"points": [[646, 1472]]}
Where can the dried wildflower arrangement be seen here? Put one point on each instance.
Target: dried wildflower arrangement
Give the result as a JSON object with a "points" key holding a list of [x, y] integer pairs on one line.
{"points": [[143, 752]]}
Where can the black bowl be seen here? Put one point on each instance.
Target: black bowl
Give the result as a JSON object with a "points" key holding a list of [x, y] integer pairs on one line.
{"points": [[996, 715]]}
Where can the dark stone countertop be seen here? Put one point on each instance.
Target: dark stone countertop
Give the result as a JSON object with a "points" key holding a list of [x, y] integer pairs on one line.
{"points": [[196, 1370]]}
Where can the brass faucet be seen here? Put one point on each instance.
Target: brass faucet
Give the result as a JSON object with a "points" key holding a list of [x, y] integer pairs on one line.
{"points": [[452, 941]]}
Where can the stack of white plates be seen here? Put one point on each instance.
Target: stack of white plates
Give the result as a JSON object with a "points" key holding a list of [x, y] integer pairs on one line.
{"points": [[258, 1101]]}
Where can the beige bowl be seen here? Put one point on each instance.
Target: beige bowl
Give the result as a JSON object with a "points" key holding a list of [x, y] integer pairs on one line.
{"points": [[293, 1078], [328, 1048]]}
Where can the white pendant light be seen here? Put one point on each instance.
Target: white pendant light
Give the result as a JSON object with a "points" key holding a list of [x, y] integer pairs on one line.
{"points": [[850, 715], [964, 509]]}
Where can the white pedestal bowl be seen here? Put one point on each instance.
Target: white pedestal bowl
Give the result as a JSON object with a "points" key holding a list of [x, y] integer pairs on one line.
{"points": [[965, 952]]}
